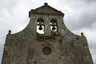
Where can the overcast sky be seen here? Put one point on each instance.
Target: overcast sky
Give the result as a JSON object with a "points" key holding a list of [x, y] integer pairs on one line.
{"points": [[80, 16]]}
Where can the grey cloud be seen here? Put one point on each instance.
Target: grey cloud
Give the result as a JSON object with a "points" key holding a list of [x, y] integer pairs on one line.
{"points": [[89, 1], [83, 15], [1, 51], [86, 20], [7, 3]]}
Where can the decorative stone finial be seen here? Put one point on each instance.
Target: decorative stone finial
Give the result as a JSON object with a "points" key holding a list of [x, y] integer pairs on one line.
{"points": [[82, 34], [9, 32], [45, 3]]}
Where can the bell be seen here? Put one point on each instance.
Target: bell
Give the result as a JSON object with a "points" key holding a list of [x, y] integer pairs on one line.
{"points": [[40, 27], [53, 28]]}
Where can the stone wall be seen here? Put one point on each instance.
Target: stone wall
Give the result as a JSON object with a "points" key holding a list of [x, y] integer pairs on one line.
{"points": [[28, 47]]}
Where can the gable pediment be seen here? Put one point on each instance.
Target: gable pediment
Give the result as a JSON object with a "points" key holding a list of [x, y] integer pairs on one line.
{"points": [[46, 9]]}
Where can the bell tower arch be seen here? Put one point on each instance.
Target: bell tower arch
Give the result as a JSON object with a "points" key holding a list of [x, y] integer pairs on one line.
{"points": [[48, 19]]}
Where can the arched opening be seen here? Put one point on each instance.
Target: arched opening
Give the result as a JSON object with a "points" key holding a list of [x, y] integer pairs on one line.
{"points": [[53, 26], [40, 26], [46, 50]]}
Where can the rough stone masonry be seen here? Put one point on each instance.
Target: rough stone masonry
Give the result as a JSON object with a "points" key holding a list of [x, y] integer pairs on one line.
{"points": [[46, 40]]}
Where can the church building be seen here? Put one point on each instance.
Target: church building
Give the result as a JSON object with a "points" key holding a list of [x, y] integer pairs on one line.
{"points": [[46, 40]]}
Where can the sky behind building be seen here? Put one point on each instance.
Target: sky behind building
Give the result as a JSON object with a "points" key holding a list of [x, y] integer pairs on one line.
{"points": [[80, 16]]}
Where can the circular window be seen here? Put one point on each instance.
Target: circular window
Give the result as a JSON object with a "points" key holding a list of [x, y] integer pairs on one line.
{"points": [[46, 50]]}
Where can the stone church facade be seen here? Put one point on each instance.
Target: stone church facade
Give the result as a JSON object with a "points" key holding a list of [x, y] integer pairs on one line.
{"points": [[46, 40]]}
